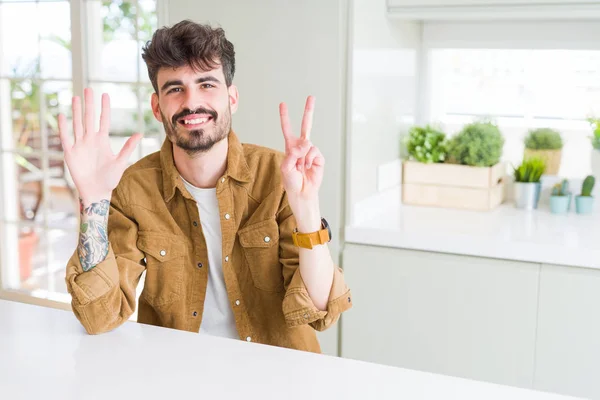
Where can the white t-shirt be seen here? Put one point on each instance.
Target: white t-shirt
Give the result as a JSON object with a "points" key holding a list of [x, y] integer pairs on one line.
{"points": [[217, 318]]}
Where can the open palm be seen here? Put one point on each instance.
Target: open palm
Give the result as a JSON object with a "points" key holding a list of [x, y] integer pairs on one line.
{"points": [[96, 171]]}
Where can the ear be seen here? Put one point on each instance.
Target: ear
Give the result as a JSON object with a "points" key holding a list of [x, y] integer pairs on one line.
{"points": [[156, 107], [234, 97]]}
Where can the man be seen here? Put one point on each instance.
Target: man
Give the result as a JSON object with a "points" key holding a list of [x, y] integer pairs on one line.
{"points": [[230, 235]]}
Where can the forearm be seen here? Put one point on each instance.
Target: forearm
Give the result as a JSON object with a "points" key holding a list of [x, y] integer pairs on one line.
{"points": [[93, 232], [102, 275], [316, 265], [316, 268]]}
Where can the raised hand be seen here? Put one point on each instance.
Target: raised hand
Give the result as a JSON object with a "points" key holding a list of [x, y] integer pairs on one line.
{"points": [[96, 171], [303, 165]]}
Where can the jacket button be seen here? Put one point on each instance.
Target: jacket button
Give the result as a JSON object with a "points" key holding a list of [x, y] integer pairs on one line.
{"points": [[227, 216], [226, 258], [163, 253], [195, 223], [267, 239], [248, 339], [195, 313], [237, 302], [199, 265], [222, 180]]}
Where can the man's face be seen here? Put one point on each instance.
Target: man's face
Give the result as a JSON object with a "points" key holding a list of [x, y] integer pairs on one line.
{"points": [[195, 107]]}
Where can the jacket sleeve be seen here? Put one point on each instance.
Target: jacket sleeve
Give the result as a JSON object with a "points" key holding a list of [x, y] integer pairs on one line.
{"points": [[298, 307], [105, 296]]}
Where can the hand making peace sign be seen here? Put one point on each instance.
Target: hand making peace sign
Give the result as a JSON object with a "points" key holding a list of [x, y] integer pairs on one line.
{"points": [[303, 165]]}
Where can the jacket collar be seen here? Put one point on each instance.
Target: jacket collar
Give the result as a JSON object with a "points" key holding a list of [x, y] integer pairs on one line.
{"points": [[237, 167]]}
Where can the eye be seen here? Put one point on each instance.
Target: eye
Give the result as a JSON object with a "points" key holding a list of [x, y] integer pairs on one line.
{"points": [[207, 86], [177, 89]]}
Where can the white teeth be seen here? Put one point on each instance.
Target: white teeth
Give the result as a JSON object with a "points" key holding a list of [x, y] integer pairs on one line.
{"points": [[195, 121]]}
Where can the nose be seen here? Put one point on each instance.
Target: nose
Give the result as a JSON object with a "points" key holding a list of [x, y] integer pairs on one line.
{"points": [[192, 99]]}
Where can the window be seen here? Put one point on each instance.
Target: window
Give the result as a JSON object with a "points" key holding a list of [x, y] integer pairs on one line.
{"points": [[499, 72], [38, 75]]}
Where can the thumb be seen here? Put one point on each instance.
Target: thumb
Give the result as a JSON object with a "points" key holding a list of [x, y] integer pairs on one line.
{"points": [[293, 155], [129, 146], [288, 163]]}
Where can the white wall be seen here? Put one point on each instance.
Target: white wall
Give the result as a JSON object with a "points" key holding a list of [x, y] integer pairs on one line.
{"points": [[286, 50], [383, 94]]}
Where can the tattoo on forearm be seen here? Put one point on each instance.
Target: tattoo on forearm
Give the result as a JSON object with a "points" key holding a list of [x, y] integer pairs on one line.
{"points": [[93, 238]]}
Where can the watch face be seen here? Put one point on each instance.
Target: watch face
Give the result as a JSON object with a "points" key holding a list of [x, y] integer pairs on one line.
{"points": [[326, 225]]}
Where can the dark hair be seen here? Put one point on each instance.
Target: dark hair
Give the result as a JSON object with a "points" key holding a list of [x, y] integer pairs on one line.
{"points": [[188, 43]]}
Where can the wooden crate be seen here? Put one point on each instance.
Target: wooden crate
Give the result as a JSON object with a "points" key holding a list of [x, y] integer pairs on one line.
{"points": [[453, 186]]}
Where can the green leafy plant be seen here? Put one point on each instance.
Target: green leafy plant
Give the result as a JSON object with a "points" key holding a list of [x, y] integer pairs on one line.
{"points": [[426, 144], [543, 139], [595, 123], [588, 186], [119, 19], [530, 170], [478, 144], [561, 189]]}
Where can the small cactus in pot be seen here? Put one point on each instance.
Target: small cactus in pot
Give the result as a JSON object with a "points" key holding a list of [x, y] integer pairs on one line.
{"points": [[560, 199], [584, 203]]}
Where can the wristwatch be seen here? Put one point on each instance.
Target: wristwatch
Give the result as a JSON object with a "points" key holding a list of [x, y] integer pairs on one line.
{"points": [[309, 240]]}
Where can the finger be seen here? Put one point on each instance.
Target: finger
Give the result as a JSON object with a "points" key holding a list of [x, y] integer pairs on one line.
{"points": [[286, 127], [319, 161], [128, 147], [63, 133], [288, 164], [300, 150], [105, 114], [89, 116], [300, 164], [77, 125], [307, 120], [295, 156], [314, 157]]}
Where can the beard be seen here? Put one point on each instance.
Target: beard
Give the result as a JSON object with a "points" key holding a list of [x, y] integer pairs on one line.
{"points": [[198, 141]]}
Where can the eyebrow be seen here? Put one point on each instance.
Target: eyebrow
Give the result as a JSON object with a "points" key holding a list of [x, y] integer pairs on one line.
{"points": [[178, 82]]}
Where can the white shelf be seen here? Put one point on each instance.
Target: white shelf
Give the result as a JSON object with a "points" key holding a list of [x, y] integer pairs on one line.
{"points": [[504, 233]]}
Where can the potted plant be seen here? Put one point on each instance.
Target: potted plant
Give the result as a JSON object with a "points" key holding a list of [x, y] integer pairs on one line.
{"points": [[478, 144], [560, 199], [584, 203], [463, 172], [527, 182], [545, 143], [426, 144]]}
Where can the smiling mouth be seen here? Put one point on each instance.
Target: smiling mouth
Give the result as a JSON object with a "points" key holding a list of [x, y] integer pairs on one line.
{"points": [[194, 121]]}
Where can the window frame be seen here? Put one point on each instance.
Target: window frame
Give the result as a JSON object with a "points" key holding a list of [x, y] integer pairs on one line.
{"points": [[9, 274]]}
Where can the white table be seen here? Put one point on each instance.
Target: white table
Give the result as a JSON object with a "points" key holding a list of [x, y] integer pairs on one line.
{"points": [[45, 354]]}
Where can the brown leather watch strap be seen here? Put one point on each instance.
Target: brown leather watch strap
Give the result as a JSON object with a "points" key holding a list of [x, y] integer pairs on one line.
{"points": [[309, 240]]}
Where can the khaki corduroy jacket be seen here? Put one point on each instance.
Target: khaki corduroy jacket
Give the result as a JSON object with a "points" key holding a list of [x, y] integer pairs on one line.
{"points": [[154, 227]]}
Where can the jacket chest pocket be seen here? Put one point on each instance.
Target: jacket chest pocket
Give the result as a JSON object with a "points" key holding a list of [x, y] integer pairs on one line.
{"points": [[260, 245], [164, 268]]}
